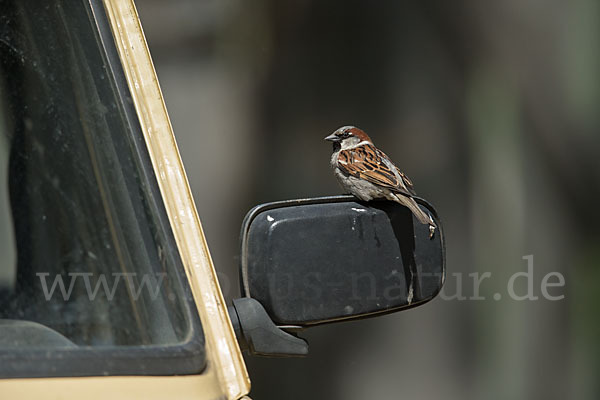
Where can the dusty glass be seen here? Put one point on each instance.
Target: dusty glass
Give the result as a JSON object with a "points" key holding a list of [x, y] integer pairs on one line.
{"points": [[88, 259]]}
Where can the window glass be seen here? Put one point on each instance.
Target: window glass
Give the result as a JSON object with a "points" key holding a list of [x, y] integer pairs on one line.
{"points": [[88, 259]]}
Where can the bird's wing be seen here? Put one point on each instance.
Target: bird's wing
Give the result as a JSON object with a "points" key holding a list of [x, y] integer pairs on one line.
{"points": [[368, 163], [407, 182]]}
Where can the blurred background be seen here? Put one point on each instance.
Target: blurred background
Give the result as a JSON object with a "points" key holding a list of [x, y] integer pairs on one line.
{"points": [[490, 107]]}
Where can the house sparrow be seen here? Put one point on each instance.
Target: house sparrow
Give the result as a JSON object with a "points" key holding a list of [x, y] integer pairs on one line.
{"points": [[367, 173]]}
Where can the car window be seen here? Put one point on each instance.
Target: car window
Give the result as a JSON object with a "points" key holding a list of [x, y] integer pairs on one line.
{"points": [[90, 276]]}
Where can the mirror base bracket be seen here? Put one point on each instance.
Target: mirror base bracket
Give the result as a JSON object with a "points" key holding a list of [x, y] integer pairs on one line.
{"points": [[256, 332]]}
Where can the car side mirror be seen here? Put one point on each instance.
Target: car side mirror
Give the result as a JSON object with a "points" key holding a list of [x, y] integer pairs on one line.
{"points": [[321, 260]]}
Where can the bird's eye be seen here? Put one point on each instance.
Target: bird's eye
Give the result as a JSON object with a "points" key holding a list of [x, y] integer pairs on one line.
{"points": [[346, 134]]}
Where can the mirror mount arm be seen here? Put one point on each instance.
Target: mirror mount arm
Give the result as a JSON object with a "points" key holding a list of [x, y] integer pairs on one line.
{"points": [[256, 332]]}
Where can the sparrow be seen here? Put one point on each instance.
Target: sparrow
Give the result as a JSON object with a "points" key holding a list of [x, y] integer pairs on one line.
{"points": [[368, 173]]}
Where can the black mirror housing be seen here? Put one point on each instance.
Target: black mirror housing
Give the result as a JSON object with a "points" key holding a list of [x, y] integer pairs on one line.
{"points": [[327, 259]]}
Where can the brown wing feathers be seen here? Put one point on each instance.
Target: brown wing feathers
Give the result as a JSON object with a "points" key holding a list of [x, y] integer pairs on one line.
{"points": [[407, 182], [367, 162]]}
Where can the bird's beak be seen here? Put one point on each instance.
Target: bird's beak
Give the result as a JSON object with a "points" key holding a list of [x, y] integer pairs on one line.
{"points": [[333, 138]]}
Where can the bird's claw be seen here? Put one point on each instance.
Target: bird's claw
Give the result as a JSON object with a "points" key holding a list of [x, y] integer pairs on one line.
{"points": [[431, 228], [431, 231]]}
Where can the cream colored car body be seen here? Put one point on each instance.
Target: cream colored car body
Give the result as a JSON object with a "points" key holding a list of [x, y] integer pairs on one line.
{"points": [[225, 376]]}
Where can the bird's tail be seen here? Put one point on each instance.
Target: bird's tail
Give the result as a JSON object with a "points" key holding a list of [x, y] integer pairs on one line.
{"points": [[423, 217]]}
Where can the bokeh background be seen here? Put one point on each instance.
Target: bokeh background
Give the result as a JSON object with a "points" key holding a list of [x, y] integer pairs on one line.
{"points": [[490, 107]]}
